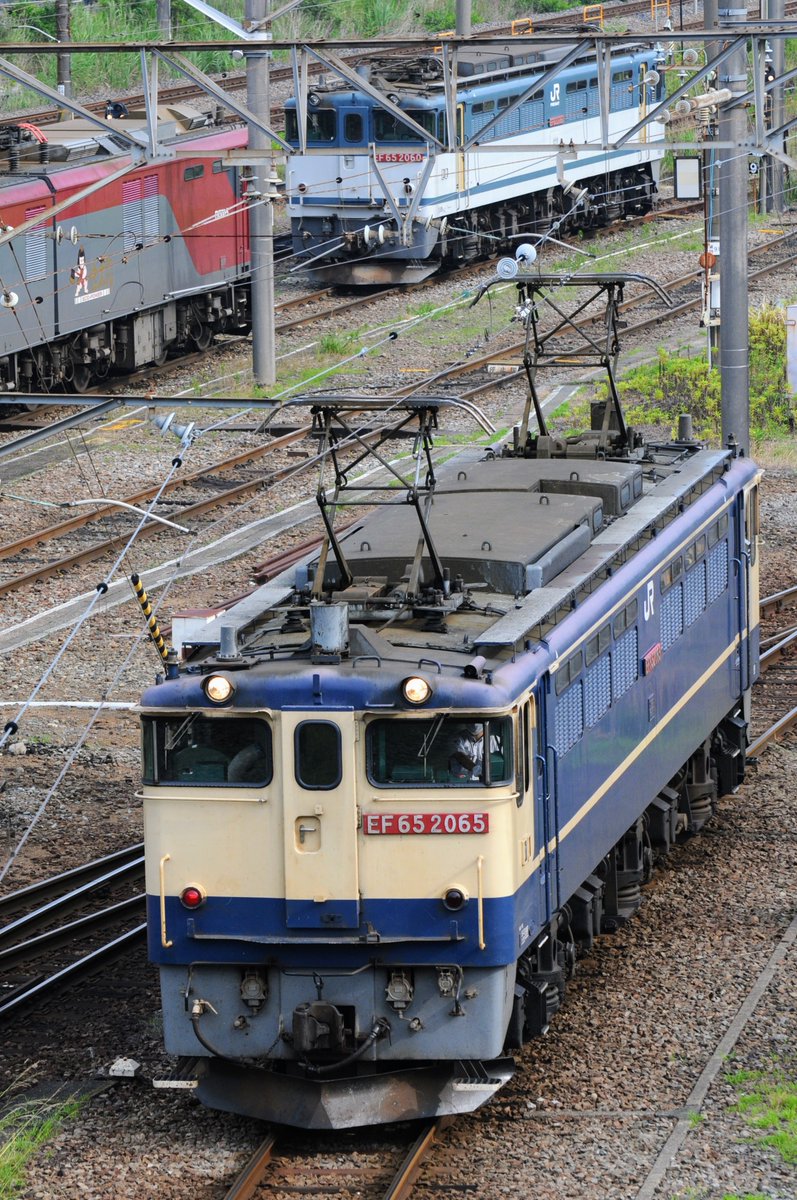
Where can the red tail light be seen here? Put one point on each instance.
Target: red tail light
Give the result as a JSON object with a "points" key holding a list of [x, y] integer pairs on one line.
{"points": [[192, 896]]}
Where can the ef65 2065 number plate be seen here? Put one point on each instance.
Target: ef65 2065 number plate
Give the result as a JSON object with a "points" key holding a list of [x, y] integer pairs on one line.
{"points": [[467, 822]]}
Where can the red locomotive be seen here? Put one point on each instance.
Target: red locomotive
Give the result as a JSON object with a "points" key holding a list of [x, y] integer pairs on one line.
{"points": [[154, 262]]}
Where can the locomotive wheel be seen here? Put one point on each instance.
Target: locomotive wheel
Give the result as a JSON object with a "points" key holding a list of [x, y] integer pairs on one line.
{"points": [[201, 335], [199, 331], [77, 377]]}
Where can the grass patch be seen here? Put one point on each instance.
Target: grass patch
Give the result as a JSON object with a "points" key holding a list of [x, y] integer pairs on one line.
{"points": [[333, 343], [425, 309], [768, 1103], [24, 1128], [657, 392]]}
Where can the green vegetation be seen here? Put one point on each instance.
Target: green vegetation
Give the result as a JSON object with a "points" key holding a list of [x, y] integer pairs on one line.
{"points": [[334, 343], [112, 20], [768, 1102], [655, 393], [24, 1128], [425, 309]]}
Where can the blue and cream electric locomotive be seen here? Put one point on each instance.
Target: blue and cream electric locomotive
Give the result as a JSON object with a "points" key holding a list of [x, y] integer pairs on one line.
{"points": [[381, 191], [388, 795]]}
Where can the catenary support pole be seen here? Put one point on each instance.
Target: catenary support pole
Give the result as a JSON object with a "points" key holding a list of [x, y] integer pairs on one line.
{"points": [[463, 18], [733, 177], [62, 32], [261, 215], [163, 12]]}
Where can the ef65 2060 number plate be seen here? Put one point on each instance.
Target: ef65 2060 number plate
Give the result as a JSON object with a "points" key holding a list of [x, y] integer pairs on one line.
{"points": [[467, 822]]}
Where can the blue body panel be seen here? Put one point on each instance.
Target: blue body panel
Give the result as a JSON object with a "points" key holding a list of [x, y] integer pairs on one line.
{"points": [[396, 930]]}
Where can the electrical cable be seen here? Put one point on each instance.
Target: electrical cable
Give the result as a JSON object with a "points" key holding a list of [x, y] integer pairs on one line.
{"points": [[12, 726]]}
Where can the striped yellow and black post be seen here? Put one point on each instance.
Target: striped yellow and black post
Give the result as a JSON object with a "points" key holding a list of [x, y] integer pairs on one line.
{"points": [[146, 608]]}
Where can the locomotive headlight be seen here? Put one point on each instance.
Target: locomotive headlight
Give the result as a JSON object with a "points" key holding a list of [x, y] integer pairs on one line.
{"points": [[193, 896], [416, 690], [455, 898], [218, 688]]}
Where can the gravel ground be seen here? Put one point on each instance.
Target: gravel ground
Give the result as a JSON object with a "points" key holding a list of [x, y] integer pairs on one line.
{"points": [[594, 1103]]}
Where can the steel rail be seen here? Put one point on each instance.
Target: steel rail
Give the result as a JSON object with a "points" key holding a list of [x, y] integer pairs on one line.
{"points": [[50, 532], [71, 900], [773, 639], [55, 884], [777, 652], [342, 306], [95, 551], [144, 374], [476, 364], [249, 1179], [180, 363], [81, 969], [65, 935], [459, 369], [769, 735], [91, 553], [401, 1186], [778, 599]]}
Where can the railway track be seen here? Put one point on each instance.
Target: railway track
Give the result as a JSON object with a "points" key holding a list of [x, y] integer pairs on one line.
{"points": [[507, 353], [219, 497], [39, 930], [152, 373], [96, 550], [255, 1173], [777, 686]]}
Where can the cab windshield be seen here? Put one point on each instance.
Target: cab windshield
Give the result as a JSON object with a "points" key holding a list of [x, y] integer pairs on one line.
{"points": [[444, 751], [388, 128], [198, 751]]}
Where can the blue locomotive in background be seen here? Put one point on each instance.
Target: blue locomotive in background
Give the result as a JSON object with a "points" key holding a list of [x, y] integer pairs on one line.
{"points": [[384, 191], [390, 795]]}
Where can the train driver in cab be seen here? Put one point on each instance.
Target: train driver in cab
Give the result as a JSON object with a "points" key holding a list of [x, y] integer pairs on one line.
{"points": [[467, 755]]}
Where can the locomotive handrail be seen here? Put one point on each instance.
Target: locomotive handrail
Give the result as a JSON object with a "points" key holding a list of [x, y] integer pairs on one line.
{"points": [[480, 899], [165, 941]]}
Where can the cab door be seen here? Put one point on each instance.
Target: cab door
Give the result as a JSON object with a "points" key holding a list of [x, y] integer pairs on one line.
{"points": [[320, 821]]}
